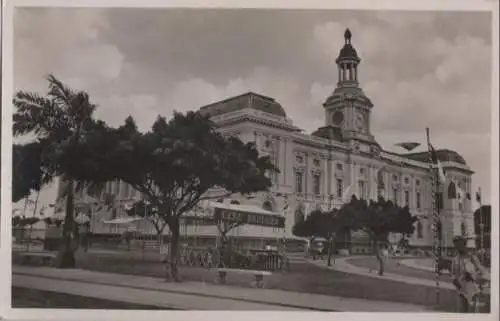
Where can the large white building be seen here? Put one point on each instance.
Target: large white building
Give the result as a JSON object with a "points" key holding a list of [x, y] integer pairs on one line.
{"points": [[317, 168]]}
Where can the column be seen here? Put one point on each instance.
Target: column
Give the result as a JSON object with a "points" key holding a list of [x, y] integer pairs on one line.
{"points": [[329, 179], [371, 182], [340, 73], [356, 73], [306, 175], [325, 179], [285, 156]]}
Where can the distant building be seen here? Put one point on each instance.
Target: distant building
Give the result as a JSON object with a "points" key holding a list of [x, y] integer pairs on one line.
{"points": [[316, 169]]}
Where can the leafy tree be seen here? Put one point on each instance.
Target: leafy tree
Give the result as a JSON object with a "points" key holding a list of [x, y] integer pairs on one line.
{"points": [[319, 224], [180, 162], [377, 219], [60, 122], [27, 170]]}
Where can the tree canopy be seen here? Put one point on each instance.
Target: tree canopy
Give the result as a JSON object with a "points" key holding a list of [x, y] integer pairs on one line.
{"points": [[378, 218], [27, 170], [177, 162], [317, 224]]}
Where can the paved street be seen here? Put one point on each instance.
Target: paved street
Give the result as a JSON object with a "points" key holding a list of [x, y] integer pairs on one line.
{"points": [[304, 277], [189, 295], [401, 274]]}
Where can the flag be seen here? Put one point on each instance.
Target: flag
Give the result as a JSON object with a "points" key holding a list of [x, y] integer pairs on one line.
{"points": [[478, 195], [460, 194], [437, 164]]}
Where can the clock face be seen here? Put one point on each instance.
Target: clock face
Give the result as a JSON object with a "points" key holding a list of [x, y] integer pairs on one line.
{"points": [[338, 118]]}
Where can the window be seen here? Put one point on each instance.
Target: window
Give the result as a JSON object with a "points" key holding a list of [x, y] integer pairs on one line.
{"points": [[395, 195], [340, 188], [420, 232], [463, 229], [316, 184], [394, 177], [452, 191], [439, 200], [339, 166], [407, 198], [361, 171], [419, 205], [316, 162], [298, 182], [361, 189], [407, 180], [417, 182]]}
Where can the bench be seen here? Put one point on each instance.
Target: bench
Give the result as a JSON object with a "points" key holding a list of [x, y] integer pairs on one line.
{"points": [[258, 275], [45, 258]]}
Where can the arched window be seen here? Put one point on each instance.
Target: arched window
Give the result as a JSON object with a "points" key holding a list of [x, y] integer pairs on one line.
{"points": [[268, 206], [463, 229], [420, 232], [452, 191]]}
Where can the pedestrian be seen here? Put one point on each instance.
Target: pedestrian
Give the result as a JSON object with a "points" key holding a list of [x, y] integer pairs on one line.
{"points": [[467, 275], [320, 250]]}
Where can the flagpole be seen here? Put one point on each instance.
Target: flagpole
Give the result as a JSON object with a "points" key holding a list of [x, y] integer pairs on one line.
{"points": [[435, 212]]}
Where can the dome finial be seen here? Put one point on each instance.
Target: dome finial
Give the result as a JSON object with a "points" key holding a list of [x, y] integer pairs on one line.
{"points": [[347, 35]]}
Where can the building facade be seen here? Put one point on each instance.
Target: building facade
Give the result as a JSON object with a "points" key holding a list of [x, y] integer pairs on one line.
{"points": [[317, 170]]}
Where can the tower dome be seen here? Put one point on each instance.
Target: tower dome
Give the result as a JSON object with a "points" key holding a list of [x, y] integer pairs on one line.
{"points": [[347, 52]]}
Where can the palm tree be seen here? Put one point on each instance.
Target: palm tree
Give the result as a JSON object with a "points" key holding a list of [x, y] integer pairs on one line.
{"points": [[60, 121]]}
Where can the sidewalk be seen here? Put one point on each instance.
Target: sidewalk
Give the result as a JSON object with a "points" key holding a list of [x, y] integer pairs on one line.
{"points": [[342, 265], [412, 263], [189, 295]]}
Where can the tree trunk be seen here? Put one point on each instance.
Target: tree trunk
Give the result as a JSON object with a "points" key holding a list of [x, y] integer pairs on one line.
{"points": [[329, 261], [380, 260], [225, 251], [67, 253], [173, 224]]}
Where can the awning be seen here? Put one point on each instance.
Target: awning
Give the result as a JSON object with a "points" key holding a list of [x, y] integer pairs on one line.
{"points": [[242, 208], [247, 214]]}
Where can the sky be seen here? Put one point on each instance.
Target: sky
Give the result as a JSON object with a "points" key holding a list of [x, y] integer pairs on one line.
{"points": [[420, 69]]}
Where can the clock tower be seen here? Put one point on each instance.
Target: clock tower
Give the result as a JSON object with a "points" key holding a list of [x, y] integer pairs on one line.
{"points": [[348, 108]]}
